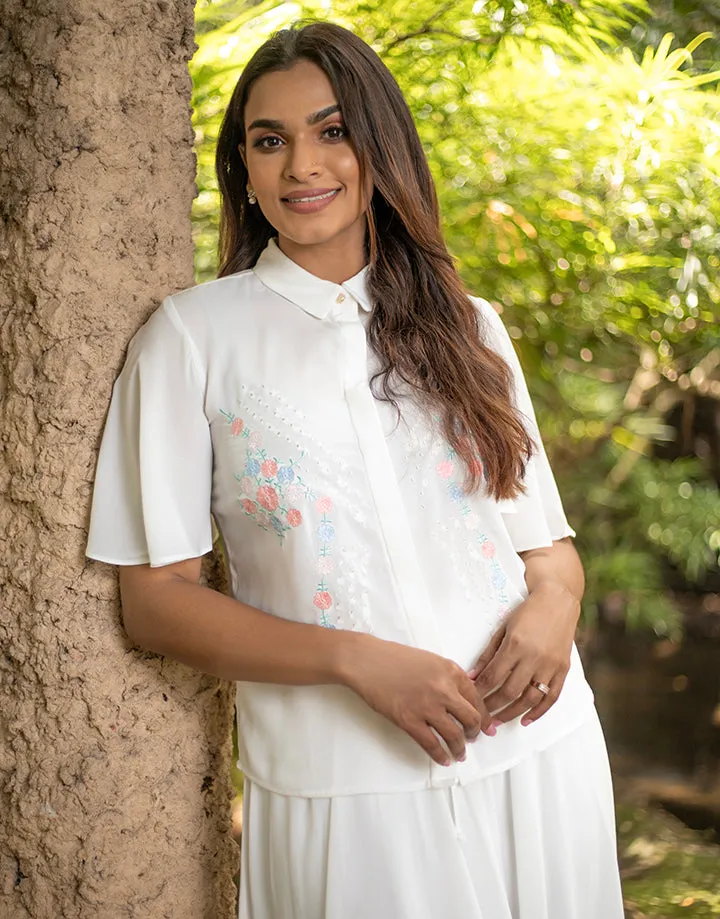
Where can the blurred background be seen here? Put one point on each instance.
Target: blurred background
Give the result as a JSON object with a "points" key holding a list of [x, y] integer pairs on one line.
{"points": [[576, 150]]}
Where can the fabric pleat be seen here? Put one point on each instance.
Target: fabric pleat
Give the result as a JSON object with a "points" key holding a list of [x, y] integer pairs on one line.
{"points": [[534, 842]]}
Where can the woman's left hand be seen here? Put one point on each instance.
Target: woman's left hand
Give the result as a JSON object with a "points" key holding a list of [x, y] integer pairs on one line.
{"points": [[534, 643]]}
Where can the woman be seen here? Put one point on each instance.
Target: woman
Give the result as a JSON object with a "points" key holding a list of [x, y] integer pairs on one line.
{"points": [[416, 732]]}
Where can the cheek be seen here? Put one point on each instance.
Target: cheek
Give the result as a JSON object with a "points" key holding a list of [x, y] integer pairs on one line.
{"points": [[347, 169], [262, 173]]}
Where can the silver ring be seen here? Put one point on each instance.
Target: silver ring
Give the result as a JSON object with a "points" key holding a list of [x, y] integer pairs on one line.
{"points": [[541, 687]]}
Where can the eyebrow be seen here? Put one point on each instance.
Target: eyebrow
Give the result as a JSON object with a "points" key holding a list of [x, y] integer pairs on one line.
{"points": [[272, 124]]}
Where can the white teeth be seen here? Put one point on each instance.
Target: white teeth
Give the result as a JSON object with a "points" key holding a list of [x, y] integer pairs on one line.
{"points": [[328, 194]]}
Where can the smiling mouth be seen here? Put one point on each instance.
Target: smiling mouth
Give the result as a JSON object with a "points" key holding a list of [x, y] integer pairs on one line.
{"points": [[322, 197]]}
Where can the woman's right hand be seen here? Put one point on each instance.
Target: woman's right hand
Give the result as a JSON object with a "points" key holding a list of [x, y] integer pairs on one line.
{"points": [[418, 691]]}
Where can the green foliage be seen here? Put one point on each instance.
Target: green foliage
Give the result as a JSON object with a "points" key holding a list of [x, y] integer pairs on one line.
{"points": [[580, 189], [669, 870]]}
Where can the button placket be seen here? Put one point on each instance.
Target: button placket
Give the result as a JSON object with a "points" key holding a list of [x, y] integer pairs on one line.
{"points": [[396, 531], [386, 492]]}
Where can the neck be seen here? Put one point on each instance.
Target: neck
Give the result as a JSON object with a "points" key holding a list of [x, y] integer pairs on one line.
{"points": [[335, 260]]}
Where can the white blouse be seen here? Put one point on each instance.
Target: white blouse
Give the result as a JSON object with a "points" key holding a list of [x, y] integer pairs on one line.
{"points": [[249, 398]]}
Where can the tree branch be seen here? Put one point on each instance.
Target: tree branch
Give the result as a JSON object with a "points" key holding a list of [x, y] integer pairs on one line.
{"points": [[425, 28]]}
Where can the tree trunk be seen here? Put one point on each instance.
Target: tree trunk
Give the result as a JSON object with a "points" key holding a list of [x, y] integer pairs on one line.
{"points": [[114, 763]]}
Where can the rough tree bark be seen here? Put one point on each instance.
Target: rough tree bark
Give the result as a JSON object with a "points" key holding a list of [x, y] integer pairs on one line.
{"points": [[114, 785]]}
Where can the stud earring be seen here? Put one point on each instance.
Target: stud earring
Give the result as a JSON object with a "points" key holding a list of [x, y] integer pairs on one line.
{"points": [[251, 195]]}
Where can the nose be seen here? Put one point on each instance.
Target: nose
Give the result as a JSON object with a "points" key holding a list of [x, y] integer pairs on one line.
{"points": [[302, 162]]}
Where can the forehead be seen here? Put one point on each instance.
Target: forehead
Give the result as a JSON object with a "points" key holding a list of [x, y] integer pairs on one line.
{"points": [[289, 95]]}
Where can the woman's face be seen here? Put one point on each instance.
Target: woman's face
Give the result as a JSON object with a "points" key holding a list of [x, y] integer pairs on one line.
{"points": [[301, 165]]}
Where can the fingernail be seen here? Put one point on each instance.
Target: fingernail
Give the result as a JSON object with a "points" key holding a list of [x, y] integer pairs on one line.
{"points": [[474, 673], [446, 762], [495, 723], [526, 721], [491, 730], [461, 759]]}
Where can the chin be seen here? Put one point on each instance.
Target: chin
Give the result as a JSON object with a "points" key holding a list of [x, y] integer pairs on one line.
{"points": [[312, 235]]}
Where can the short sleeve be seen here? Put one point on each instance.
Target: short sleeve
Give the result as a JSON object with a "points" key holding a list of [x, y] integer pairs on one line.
{"points": [[153, 484], [537, 517]]}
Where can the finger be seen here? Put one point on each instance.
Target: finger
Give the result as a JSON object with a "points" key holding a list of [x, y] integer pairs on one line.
{"points": [[468, 691], [499, 668], [512, 689], [488, 654], [472, 715], [429, 741], [528, 700], [452, 733], [556, 685]]}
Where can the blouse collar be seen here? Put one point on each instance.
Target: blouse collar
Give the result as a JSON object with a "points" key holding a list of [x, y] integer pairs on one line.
{"points": [[318, 297]]}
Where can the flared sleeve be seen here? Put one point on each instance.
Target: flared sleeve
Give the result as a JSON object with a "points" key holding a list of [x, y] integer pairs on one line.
{"points": [[535, 518], [153, 484]]}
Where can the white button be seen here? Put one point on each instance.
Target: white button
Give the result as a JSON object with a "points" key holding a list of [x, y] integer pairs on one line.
{"points": [[340, 298]]}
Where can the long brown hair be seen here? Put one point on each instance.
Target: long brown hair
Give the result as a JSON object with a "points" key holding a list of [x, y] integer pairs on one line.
{"points": [[423, 326]]}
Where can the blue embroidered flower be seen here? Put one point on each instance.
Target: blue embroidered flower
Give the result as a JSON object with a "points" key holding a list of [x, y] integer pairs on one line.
{"points": [[252, 467], [326, 532], [456, 492], [497, 577], [285, 474]]}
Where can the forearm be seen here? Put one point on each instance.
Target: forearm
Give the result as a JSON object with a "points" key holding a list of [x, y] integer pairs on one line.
{"points": [[555, 568], [219, 635]]}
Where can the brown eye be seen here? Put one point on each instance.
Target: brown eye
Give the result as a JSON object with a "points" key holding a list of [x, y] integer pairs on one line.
{"points": [[339, 130], [261, 144]]}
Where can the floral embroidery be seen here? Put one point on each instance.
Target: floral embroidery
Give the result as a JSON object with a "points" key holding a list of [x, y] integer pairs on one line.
{"points": [[456, 492], [294, 517], [326, 534], [267, 496], [498, 578], [269, 489], [340, 595], [445, 469]]}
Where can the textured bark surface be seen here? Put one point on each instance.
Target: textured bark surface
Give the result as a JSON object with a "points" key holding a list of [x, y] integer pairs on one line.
{"points": [[114, 786]]}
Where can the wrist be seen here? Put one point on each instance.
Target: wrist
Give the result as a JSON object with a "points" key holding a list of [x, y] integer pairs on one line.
{"points": [[555, 591], [350, 648]]}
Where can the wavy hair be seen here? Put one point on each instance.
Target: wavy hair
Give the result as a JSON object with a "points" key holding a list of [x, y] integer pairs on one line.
{"points": [[424, 328]]}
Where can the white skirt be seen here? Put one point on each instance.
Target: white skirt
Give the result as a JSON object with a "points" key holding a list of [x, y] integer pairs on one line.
{"points": [[534, 842]]}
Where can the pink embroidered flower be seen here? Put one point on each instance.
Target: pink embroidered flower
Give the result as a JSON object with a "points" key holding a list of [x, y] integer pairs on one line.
{"points": [[269, 469], [255, 440], [324, 505], [325, 564], [249, 506], [322, 599], [445, 469], [267, 497], [236, 427], [247, 486], [294, 517], [488, 549]]}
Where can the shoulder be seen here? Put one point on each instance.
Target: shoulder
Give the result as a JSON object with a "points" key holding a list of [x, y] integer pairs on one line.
{"points": [[486, 311], [188, 317], [215, 294], [490, 326]]}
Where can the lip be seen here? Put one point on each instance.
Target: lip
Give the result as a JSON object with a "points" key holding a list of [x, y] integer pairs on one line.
{"points": [[309, 207], [307, 192]]}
